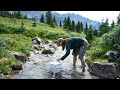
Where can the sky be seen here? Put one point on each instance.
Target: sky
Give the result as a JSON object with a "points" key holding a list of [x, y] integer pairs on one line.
{"points": [[96, 15]]}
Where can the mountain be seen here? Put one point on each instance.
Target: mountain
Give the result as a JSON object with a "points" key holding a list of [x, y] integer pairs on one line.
{"points": [[58, 16]]}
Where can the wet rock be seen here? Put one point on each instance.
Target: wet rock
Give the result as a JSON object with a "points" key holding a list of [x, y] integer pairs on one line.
{"points": [[48, 51], [36, 47], [104, 70], [66, 77], [48, 41], [19, 56], [107, 54], [52, 45], [37, 41], [7, 77], [113, 56], [1, 76], [36, 52], [16, 66]]}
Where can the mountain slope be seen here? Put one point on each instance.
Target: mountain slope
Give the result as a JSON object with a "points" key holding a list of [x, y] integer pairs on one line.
{"points": [[75, 17]]}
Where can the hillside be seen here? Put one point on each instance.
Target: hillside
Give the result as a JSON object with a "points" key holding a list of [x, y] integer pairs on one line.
{"points": [[41, 30]]}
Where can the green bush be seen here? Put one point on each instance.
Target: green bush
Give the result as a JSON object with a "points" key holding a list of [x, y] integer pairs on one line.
{"points": [[42, 33], [31, 33], [111, 40], [108, 41]]}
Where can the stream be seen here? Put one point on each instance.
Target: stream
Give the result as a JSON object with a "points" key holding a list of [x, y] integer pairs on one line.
{"points": [[38, 67]]}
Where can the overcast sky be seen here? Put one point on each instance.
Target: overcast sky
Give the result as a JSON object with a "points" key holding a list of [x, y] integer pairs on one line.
{"points": [[96, 15]]}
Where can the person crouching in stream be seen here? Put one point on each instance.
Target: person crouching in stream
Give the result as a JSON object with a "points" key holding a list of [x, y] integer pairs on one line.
{"points": [[79, 46]]}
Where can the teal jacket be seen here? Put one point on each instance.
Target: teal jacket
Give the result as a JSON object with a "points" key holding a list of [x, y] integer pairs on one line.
{"points": [[72, 43]]}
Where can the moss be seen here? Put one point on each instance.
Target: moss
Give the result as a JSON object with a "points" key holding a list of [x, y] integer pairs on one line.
{"points": [[16, 65], [7, 70]]}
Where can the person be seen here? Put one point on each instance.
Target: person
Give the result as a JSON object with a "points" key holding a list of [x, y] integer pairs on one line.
{"points": [[79, 46]]}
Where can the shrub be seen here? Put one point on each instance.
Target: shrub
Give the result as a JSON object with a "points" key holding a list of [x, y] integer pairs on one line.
{"points": [[31, 33]]}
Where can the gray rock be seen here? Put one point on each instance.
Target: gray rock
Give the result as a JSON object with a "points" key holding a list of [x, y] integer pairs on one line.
{"points": [[1, 76], [36, 47], [105, 70], [7, 77], [66, 77], [107, 54], [37, 41], [16, 66], [52, 45], [113, 56], [48, 51], [48, 41], [19, 56]]}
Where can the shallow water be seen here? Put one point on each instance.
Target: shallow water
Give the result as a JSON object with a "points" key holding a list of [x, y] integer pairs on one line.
{"points": [[38, 67]]}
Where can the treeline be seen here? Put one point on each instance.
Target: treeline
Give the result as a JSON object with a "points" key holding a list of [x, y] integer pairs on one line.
{"points": [[79, 27], [15, 14], [105, 27], [69, 25]]}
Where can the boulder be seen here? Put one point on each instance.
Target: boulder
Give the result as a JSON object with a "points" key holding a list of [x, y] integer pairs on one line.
{"points": [[16, 65], [19, 56], [107, 54], [48, 51], [112, 56], [37, 41], [105, 70]]}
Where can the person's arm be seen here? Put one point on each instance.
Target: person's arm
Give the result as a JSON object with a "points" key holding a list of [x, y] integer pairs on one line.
{"points": [[67, 52]]}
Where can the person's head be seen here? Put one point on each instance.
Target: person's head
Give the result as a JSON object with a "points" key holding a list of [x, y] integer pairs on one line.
{"points": [[61, 42]]}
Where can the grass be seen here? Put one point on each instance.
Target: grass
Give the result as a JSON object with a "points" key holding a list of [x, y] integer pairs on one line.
{"points": [[12, 25], [12, 42]]}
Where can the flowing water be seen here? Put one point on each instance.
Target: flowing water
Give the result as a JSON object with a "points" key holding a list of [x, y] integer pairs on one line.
{"points": [[38, 67]]}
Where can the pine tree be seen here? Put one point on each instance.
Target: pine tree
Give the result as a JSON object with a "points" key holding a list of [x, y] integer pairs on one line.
{"points": [[25, 17], [68, 23], [19, 15], [64, 23], [90, 35], [78, 27], [104, 27], [42, 18], [81, 24], [112, 25], [118, 19], [73, 26], [52, 24], [95, 32], [33, 19], [48, 17], [60, 24], [54, 20], [86, 28]]}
